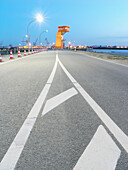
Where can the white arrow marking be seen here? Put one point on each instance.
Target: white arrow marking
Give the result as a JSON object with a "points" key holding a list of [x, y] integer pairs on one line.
{"points": [[57, 100], [101, 153], [111, 125]]}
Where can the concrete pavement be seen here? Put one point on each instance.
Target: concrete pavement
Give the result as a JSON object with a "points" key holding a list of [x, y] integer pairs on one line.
{"points": [[59, 138]]}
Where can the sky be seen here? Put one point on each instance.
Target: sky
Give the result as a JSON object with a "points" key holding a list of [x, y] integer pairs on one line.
{"points": [[92, 22]]}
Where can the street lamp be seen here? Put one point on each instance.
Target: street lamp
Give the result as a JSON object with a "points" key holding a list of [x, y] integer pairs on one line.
{"points": [[69, 43], [39, 18], [40, 36]]}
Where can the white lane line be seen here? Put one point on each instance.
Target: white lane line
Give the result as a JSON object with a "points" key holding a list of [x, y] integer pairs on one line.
{"points": [[10, 61], [115, 130], [53, 71], [12, 155], [57, 100], [16, 59], [101, 153]]}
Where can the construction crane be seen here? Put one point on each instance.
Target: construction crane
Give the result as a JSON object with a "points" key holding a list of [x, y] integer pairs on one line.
{"points": [[1, 43], [34, 43], [23, 42], [47, 43]]}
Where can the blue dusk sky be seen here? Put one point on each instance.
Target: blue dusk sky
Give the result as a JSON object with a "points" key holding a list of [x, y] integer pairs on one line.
{"points": [[92, 22]]}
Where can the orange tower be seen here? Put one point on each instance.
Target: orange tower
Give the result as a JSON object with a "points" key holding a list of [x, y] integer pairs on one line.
{"points": [[59, 38]]}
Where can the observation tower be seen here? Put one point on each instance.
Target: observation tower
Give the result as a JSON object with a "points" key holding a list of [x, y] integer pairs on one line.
{"points": [[59, 38]]}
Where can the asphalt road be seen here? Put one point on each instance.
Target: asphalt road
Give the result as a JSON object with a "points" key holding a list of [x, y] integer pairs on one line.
{"points": [[81, 90]]}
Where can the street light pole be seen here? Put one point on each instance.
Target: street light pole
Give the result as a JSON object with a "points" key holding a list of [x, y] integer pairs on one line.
{"points": [[38, 18], [29, 25], [69, 43], [28, 35], [40, 36]]}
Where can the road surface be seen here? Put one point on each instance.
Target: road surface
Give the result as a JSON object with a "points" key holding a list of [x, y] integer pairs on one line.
{"points": [[61, 110]]}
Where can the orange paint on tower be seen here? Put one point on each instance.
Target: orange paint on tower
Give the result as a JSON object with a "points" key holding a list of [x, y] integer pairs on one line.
{"points": [[59, 38]]}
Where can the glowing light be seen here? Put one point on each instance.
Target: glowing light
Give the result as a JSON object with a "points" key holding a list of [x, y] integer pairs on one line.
{"points": [[29, 44], [39, 18]]}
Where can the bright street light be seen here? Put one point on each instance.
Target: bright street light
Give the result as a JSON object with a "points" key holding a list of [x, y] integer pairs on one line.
{"points": [[39, 18], [30, 44], [69, 44]]}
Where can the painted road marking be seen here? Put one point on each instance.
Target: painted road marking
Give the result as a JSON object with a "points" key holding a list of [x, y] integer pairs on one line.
{"points": [[16, 59], [101, 153], [10, 61], [59, 99], [12, 155], [114, 129]]}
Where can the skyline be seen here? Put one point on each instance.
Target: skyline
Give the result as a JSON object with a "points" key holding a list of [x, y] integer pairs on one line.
{"points": [[91, 23]]}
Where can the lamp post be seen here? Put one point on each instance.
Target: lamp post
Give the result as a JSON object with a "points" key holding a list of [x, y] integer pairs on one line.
{"points": [[28, 35], [39, 18], [40, 36], [69, 43]]}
